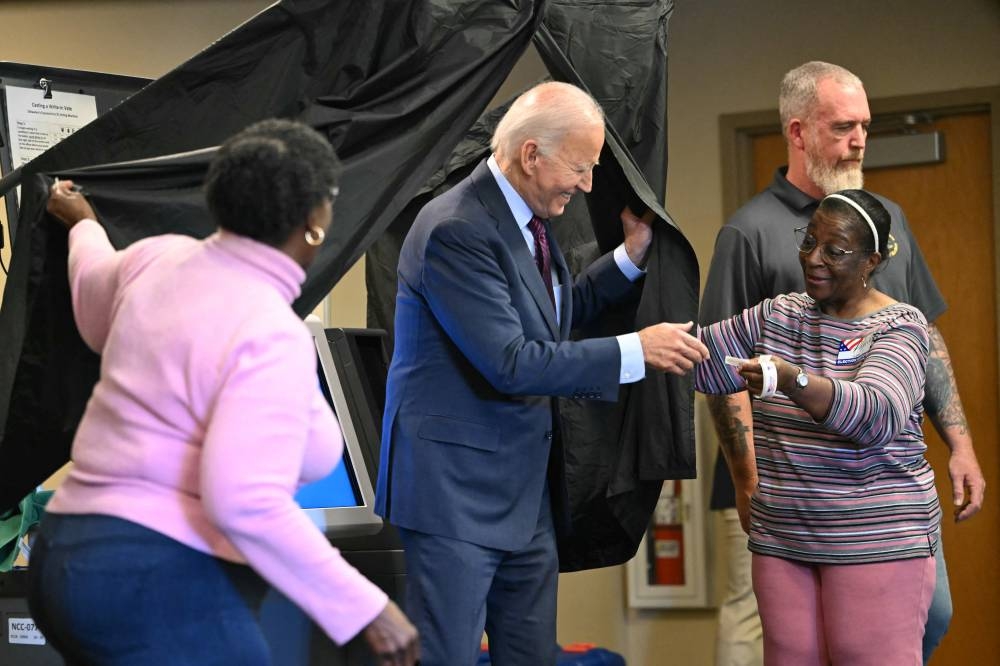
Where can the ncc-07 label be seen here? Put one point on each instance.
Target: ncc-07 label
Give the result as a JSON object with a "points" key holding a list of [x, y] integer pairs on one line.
{"points": [[22, 631]]}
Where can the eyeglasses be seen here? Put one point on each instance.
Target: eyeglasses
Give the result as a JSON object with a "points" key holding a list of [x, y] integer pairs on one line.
{"points": [[830, 254]]}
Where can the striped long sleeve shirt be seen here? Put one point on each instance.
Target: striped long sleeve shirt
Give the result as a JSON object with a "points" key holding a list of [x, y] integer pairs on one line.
{"points": [[855, 487]]}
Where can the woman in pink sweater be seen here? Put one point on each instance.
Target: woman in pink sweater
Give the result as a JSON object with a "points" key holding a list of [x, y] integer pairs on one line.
{"points": [[179, 506]]}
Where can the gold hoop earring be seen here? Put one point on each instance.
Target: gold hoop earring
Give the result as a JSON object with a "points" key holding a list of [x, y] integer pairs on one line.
{"points": [[315, 236]]}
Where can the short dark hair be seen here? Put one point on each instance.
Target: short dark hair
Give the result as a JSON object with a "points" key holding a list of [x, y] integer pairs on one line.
{"points": [[264, 181], [872, 206]]}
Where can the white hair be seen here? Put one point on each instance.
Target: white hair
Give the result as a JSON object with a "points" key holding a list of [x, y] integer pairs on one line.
{"points": [[545, 113]]}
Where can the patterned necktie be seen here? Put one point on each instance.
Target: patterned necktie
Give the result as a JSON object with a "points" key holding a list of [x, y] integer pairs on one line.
{"points": [[543, 259]]}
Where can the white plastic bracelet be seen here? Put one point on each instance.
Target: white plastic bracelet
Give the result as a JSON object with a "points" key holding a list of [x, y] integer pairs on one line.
{"points": [[770, 385]]}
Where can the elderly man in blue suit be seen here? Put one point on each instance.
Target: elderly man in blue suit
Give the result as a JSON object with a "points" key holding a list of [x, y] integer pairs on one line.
{"points": [[484, 309]]}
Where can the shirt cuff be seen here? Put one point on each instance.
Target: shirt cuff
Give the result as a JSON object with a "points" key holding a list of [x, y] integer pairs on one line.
{"points": [[633, 363], [631, 271]]}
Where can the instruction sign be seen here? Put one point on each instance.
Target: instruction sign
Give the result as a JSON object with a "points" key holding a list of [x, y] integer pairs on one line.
{"points": [[36, 123]]}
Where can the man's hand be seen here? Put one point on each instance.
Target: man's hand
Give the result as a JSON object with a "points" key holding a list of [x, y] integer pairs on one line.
{"points": [[668, 347], [638, 234], [67, 204], [392, 639], [968, 486]]}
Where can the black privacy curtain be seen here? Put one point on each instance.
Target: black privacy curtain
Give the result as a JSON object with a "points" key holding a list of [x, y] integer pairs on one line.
{"points": [[396, 86]]}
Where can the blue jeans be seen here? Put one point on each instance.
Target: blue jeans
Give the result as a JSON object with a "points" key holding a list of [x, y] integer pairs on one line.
{"points": [[939, 615], [110, 592]]}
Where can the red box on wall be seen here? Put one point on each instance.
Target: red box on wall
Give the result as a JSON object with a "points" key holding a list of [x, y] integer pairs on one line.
{"points": [[668, 552]]}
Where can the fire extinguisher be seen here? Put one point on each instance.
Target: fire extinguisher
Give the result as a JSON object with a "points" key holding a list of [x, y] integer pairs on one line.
{"points": [[668, 537]]}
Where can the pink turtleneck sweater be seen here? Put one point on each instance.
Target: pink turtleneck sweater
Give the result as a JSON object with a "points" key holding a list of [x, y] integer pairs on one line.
{"points": [[207, 415]]}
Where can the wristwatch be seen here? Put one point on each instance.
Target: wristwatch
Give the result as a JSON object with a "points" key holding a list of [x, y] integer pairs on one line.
{"points": [[801, 380]]}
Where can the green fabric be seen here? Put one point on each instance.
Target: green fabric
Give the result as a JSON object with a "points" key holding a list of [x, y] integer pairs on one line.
{"points": [[15, 523]]}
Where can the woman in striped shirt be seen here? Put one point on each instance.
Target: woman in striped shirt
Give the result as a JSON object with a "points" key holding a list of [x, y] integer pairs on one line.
{"points": [[842, 514]]}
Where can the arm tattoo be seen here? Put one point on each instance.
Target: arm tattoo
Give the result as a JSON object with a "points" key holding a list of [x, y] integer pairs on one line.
{"points": [[941, 400], [728, 425]]}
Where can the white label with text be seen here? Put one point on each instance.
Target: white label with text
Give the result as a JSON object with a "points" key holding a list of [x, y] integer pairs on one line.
{"points": [[22, 630]]}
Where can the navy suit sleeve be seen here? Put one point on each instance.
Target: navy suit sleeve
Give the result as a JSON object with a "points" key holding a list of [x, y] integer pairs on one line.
{"points": [[472, 286]]}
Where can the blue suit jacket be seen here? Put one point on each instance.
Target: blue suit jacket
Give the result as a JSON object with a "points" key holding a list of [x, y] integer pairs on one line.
{"points": [[478, 354]]}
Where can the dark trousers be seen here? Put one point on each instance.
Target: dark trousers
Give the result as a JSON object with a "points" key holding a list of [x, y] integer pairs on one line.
{"points": [[455, 589], [110, 592]]}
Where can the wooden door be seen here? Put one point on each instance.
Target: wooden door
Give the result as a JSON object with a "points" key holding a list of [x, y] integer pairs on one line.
{"points": [[950, 209]]}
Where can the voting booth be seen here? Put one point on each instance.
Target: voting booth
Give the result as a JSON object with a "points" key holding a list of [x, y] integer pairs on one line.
{"points": [[41, 107]]}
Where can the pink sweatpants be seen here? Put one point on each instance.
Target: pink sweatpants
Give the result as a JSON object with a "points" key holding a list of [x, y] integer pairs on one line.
{"points": [[843, 614]]}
